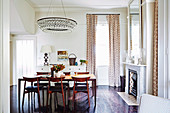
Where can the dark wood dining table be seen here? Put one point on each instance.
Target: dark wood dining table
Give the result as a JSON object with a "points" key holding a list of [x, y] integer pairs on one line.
{"points": [[67, 78]]}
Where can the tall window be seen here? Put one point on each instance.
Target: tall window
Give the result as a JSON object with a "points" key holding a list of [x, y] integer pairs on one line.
{"points": [[102, 42], [102, 50], [25, 58]]}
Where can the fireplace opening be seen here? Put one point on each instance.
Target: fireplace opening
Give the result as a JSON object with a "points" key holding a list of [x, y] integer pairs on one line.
{"points": [[132, 83]]}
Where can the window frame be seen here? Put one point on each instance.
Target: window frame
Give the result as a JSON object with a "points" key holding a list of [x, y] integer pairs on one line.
{"points": [[27, 37]]}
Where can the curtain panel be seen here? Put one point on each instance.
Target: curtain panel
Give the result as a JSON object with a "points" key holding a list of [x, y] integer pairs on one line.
{"points": [[155, 52], [114, 50], [91, 42]]}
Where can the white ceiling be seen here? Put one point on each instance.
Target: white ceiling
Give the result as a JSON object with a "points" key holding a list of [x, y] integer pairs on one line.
{"points": [[99, 4]]}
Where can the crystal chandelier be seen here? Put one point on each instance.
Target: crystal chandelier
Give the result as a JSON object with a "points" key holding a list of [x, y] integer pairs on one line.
{"points": [[55, 24]]}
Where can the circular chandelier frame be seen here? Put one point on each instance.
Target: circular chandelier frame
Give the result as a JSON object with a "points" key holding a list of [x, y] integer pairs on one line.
{"points": [[56, 24]]}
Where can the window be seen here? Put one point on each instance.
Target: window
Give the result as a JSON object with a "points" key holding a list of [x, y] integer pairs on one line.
{"points": [[102, 42], [24, 60], [102, 50]]}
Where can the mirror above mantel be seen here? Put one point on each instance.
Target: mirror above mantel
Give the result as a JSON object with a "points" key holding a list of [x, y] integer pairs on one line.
{"points": [[135, 49]]}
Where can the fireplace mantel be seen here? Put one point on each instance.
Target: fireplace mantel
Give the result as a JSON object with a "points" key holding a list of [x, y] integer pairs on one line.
{"points": [[141, 78], [133, 64]]}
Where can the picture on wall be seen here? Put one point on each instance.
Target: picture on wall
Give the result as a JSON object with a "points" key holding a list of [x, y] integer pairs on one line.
{"points": [[62, 55]]}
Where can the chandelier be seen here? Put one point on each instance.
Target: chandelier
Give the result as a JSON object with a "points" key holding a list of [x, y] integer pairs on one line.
{"points": [[53, 24]]}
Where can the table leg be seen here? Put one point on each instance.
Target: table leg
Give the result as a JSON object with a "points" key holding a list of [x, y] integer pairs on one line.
{"points": [[92, 88], [19, 88], [95, 92]]}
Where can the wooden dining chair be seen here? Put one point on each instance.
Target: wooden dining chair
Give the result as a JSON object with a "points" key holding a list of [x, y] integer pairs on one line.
{"points": [[66, 73], [65, 84], [30, 89], [77, 89], [42, 84], [81, 73], [54, 89]]}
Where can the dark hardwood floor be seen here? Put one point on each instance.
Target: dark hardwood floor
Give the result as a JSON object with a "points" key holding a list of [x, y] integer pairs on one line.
{"points": [[108, 101]]}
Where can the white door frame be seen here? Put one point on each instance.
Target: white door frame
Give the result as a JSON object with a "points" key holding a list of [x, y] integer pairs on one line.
{"points": [[168, 49], [4, 56], [163, 49], [22, 37]]}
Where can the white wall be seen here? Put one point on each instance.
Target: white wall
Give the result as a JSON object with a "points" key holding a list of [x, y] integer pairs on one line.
{"points": [[4, 57], [26, 14]]}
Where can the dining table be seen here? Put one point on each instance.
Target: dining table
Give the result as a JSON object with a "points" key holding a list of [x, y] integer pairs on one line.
{"points": [[67, 78]]}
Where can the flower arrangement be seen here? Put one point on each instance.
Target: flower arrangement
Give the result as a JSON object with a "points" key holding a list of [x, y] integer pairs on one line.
{"points": [[83, 61], [58, 67]]}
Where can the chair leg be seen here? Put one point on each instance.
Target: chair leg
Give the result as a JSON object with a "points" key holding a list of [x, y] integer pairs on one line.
{"points": [[57, 98], [73, 94], [51, 101], [88, 93], [43, 96], [47, 102], [73, 98], [88, 98], [63, 98], [29, 102], [23, 100], [39, 101], [68, 94], [34, 100]]}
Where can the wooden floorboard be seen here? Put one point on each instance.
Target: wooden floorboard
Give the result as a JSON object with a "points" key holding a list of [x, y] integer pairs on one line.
{"points": [[108, 101]]}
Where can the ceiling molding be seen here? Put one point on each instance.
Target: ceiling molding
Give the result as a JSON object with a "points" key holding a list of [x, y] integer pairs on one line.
{"points": [[77, 9], [108, 4]]}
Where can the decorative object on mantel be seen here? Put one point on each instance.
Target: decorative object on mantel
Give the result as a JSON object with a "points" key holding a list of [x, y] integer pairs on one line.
{"points": [[46, 49], [83, 61], [53, 24], [72, 59], [140, 61]]}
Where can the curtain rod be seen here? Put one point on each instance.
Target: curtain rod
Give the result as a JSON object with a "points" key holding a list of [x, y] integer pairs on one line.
{"points": [[103, 14]]}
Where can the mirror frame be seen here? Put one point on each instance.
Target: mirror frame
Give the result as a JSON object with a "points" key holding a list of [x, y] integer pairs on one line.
{"points": [[140, 28]]}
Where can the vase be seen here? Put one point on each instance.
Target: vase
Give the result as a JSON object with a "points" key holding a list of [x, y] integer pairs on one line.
{"points": [[58, 74]]}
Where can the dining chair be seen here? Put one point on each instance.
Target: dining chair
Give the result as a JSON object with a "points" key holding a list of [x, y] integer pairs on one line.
{"points": [[54, 89], [42, 84], [77, 88], [65, 84], [66, 73], [30, 89], [81, 73]]}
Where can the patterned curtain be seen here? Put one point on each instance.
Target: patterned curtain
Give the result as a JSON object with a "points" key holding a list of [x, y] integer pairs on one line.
{"points": [[91, 43], [155, 52], [114, 50]]}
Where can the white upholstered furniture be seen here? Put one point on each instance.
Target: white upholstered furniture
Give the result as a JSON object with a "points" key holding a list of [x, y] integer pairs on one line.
{"points": [[153, 104]]}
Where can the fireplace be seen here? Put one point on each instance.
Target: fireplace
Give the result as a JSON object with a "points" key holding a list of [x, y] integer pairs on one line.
{"points": [[132, 90], [138, 76]]}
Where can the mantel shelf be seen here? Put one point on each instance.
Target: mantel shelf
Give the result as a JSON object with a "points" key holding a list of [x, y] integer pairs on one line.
{"points": [[133, 64]]}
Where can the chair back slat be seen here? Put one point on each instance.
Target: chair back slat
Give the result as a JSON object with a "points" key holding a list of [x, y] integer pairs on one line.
{"points": [[80, 79], [31, 79], [43, 73], [52, 79], [80, 73], [66, 73]]}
